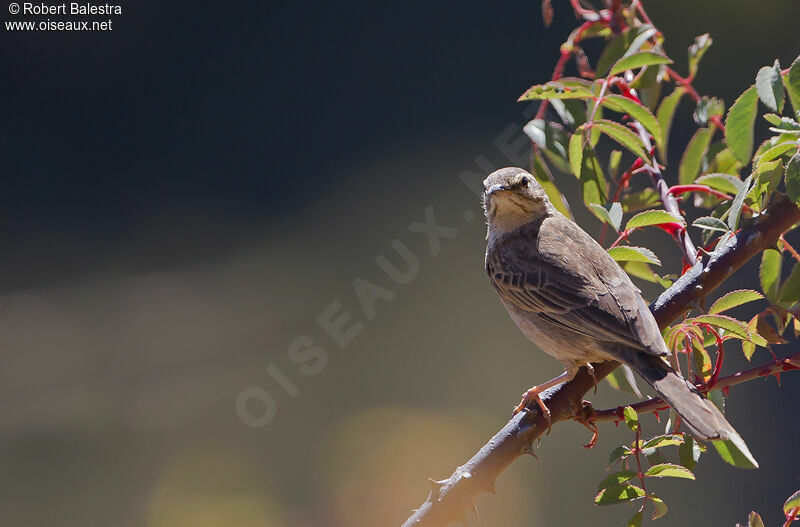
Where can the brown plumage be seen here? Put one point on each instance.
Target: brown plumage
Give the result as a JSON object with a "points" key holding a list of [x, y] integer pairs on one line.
{"points": [[570, 298]]}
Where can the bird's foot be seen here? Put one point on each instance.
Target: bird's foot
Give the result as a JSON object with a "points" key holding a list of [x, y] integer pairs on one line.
{"points": [[533, 395], [583, 415]]}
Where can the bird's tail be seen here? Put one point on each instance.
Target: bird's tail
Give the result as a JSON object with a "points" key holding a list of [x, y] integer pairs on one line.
{"points": [[703, 419]]}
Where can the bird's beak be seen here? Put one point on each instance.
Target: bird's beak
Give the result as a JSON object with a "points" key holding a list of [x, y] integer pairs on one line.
{"points": [[497, 188]]}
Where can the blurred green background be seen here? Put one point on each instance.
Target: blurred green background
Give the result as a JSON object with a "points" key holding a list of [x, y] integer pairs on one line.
{"points": [[184, 196]]}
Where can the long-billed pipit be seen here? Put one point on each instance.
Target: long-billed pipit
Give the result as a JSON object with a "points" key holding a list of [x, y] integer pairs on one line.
{"points": [[571, 299]]}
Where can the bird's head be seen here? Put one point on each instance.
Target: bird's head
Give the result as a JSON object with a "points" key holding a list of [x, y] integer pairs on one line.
{"points": [[513, 198]]}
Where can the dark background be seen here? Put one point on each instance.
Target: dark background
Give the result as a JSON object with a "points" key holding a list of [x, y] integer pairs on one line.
{"points": [[183, 195]]}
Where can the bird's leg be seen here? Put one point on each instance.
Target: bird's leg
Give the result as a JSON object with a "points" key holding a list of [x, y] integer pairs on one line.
{"points": [[532, 394]]}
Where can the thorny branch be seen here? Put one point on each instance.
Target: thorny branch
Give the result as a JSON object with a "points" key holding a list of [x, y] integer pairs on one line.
{"points": [[449, 499]]}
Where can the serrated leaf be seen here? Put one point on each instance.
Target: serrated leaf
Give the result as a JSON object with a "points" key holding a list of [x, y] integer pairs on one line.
{"points": [[545, 179], [660, 507], [734, 299], [729, 324], [613, 164], [631, 418], [736, 207], [669, 470], [618, 494], [643, 271], [617, 478], [619, 45], [739, 125], [722, 182], [711, 223], [611, 216], [689, 452], [556, 90], [621, 134], [652, 217], [638, 60], [770, 274], [789, 293], [693, 155], [773, 152], [792, 83], [791, 504], [627, 253], [665, 115], [754, 520], [696, 52], [663, 440], [621, 104], [635, 520], [622, 379], [735, 452], [748, 348], [769, 86], [593, 182], [792, 179]]}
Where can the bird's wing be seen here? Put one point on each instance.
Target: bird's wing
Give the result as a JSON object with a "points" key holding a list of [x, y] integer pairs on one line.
{"points": [[559, 273]]}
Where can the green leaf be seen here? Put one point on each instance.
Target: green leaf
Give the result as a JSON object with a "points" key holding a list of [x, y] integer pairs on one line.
{"points": [[738, 201], [617, 478], [769, 86], [722, 182], [665, 114], [638, 60], [663, 440], [792, 83], [748, 348], [669, 470], [627, 253], [621, 134], [696, 52], [622, 379], [792, 503], [770, 274], [635, 520], [652, 217], [735, 452], [689, 452], [612, 215], [789, 293], [631, 418], [730, 325], [660, 507], [643, 271], [711, 223], [773, 152], [621, 104], [556, 90], [734, 299], [618, 494], [545, 179], [693, 156], [641, 199], [739, 125], [625, 42], [593, 182], [793, 178], [576, 151], [754, 520], [613, 164]]}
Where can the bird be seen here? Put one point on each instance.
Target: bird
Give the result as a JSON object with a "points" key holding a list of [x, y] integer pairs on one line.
{"points": [[573, 301]]}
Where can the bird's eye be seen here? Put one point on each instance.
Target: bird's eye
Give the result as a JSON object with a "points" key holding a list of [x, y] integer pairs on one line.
{"points": [[525, 181]]}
